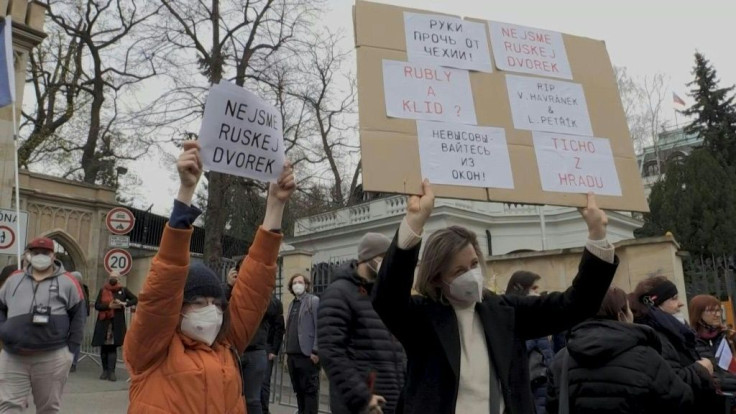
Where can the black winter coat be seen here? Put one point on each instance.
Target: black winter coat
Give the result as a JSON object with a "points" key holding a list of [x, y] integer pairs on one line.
{"points": [[355, 344], [429, 330], [616, 367], [707, 348], [270, 332], [682, 356], [118, 321]]}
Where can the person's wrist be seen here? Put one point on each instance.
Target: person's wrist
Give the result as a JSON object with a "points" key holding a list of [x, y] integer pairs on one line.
{"points": [[597, 233], [186, 194]]}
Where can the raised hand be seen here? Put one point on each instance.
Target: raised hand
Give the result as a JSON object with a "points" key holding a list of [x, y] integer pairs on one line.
{"points": [[595, 218], [189, 166], [284, 187], [419, 208], [278, 194]]}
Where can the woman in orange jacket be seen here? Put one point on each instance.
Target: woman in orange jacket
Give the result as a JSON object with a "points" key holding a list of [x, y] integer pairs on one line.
{"points": [[182, 347]]}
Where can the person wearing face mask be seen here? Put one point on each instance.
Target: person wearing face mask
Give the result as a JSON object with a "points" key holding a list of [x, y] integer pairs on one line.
{"points": [[363, 361], [523, 283], [655, 303], [465, 344], [301, 344], [614, 366], [183, 345], [110, 327], [41, 326]]}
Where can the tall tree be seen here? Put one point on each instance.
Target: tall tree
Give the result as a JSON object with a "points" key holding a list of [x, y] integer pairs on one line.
{"points": [[698, 213], [713, 111], [236, 40]]}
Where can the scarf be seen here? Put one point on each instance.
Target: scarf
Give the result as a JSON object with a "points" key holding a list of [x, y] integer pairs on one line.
{"points": [[680, 334], [706, 331], [106, 298]]}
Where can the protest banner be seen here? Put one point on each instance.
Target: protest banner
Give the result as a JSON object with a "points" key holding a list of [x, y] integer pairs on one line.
{"points": [[551, 85], [241, 134]]}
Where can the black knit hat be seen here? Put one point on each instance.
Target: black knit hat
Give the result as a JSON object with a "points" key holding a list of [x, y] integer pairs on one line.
{"points": [[202, 282]]}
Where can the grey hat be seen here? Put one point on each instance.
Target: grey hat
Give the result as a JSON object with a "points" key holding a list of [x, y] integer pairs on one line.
{"points": [[372, 245]]}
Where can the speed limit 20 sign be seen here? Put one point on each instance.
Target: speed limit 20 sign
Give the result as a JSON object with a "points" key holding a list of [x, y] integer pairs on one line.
{"points": [[118, 260]]}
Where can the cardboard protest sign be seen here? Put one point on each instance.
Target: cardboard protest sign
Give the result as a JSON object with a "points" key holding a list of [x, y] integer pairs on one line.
{"points": [[447, 41], [464, 155], [572, 77], [529, 50], [241, 134], [430, 92]]}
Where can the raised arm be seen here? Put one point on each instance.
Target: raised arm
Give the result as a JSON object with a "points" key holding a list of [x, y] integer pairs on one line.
{"points": [[161, 298], [558, 311], [257, 277], [392, 292]]}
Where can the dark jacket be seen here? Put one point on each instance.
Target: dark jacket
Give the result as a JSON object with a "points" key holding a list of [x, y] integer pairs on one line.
{"points": [[354, 343], [118, 321], [429, 330], [271, 330], [306, 321], [707, 348], [616, 367], [540, 358], [681, 353]]}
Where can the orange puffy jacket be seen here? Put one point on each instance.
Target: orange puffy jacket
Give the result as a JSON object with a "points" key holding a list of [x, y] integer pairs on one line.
{"points": [[171, 373]]}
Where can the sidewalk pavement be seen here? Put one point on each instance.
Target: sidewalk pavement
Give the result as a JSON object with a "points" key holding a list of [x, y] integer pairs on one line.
{"points": [[86, 393]]}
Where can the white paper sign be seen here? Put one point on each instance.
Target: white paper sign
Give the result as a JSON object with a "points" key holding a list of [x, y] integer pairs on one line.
{"points": [[465, 155], [241, 134], [428, 92], [446, 41], [575, 164], [529, 50], [541, 104]]}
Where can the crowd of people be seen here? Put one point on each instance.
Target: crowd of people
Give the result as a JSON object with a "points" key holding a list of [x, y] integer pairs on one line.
{"points": [[393, 333]]}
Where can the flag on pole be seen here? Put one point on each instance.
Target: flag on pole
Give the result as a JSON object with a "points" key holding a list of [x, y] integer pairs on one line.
{"points": [[7, 71], [677, 99], [725, 357]]}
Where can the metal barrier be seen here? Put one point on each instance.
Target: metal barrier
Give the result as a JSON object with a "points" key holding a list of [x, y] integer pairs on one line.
{"points": [[88, 351]]}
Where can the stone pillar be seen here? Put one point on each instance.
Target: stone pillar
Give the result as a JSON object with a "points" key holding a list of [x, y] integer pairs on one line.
{"points": [[294, 261], [28, 19]]}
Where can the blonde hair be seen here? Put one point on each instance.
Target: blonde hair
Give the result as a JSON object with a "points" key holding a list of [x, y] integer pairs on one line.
{"points": [[442, 246]]}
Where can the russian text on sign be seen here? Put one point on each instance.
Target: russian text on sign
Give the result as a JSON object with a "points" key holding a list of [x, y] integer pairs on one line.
{"points": [[447, 41]]}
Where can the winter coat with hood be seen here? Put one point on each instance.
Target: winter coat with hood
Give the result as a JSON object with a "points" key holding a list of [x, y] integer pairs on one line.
{"points": [[679, 350], [616, 367], [355, 344], [172, 373]]}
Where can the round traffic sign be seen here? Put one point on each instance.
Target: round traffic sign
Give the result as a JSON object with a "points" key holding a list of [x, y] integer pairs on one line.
{"points": [[119, 220], [118, 260], [7, 237]]}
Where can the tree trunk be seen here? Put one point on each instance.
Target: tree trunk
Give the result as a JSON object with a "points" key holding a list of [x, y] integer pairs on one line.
{"points": [[90, 164]]}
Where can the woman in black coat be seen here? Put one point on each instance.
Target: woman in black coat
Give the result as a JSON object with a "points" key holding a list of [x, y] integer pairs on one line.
{"points": [[655, 303], [465, 345], [615, 366], [110, 327]]}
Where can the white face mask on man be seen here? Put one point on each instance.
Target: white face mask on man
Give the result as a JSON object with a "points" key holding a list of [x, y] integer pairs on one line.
{"points": [[41, 262], [466, 288], [298, 288], [202, 324]]}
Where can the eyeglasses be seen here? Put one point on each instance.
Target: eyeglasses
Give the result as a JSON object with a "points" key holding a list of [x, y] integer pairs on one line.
{"points": [[199, 303], [714, 311]]}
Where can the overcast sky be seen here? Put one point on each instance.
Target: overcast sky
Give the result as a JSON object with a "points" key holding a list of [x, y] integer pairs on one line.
{"points": [[645, 36]]}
